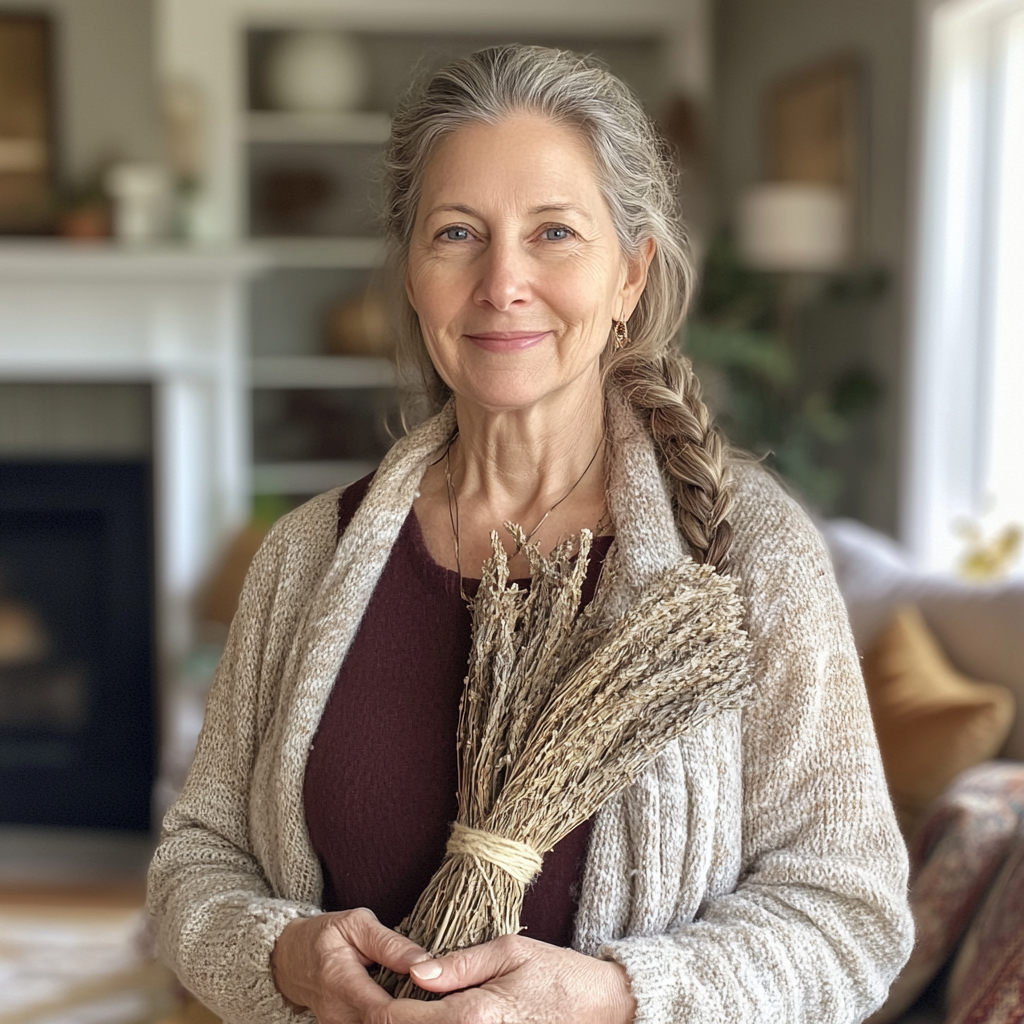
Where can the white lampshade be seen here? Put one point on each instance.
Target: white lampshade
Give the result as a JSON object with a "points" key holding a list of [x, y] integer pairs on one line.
{"points": [[792, 226]]}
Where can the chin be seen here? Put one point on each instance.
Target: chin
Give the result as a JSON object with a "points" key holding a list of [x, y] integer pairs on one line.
{"points": [[503, 399], [521, 388]]}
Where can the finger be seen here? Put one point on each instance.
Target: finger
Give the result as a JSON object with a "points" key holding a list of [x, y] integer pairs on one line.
{"points": [[380, 945], [346, 983], [467, 968], [463, 1006]]}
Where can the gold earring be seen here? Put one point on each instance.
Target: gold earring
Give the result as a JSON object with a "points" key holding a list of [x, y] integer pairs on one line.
{"points": [[621, 334]]}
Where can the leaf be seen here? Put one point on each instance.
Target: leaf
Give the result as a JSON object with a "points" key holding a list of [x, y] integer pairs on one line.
{"points": [[795, 461], [731, 291], [868, 284], [822, 420], [758, 352], [855, 391]]}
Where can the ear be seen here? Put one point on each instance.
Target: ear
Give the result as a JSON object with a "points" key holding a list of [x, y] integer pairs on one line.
{"points": [[636, 277]]}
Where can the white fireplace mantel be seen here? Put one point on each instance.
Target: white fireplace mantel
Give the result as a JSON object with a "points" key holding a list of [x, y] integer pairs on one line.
{"points": [[174, 318]]}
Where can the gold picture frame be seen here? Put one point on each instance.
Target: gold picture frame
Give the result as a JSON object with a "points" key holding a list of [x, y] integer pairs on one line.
{"points": [[813, 125], [26, 124]]}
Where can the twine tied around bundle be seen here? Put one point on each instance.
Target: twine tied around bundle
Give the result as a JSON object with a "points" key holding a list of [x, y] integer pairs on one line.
{"points": [[520, 860]]}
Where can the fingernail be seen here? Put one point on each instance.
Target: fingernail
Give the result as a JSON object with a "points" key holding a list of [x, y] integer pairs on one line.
{"points": [[427, 971]]}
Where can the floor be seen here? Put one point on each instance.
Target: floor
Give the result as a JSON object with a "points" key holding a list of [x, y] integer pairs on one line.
{"points": [[73, 942]]}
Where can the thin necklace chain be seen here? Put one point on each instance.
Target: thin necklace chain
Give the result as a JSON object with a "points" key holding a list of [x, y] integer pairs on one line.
{"points": [[453, 507]]}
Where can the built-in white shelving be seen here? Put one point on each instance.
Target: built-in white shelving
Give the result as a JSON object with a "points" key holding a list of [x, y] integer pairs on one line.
{"points": [[313, 477], [322, 372], [354, 128]]}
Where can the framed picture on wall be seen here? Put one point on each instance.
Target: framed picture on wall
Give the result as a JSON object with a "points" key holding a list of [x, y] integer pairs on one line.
{"points": [[813, 125], [26, 124]]}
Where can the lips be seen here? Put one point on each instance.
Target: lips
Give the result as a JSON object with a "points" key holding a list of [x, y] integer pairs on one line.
{"points": [[507, 341]]}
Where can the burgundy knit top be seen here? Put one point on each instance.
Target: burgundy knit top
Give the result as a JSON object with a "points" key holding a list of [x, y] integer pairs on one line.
{"points": [[381, 778]]}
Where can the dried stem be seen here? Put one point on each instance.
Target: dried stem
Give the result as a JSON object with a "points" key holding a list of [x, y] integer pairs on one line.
{"points": [[562, 710]]}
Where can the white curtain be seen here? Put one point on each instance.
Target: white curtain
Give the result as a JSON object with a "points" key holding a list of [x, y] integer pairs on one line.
{"points": [[964, 457]]}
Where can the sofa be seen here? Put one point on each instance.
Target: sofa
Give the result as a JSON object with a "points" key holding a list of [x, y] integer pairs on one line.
{"points": [[967, 842]]}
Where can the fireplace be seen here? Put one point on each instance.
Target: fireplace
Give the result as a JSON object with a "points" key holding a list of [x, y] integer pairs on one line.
{"points": [[77, 646], [171, 320]]}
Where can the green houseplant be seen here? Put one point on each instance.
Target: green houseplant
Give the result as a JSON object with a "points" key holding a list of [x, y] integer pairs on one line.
{"points": [[745, 339]]}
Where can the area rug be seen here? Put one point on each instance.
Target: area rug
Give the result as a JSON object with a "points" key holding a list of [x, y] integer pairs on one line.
{"points": [[80, 965]]}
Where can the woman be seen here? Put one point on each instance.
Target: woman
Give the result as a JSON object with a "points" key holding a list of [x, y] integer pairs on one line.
{"points": [[755, 872]]}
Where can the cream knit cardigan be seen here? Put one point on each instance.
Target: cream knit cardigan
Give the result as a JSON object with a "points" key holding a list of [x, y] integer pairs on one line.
{"points": [[755, 875]]}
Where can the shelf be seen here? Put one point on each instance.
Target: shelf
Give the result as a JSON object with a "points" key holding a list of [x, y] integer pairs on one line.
{"points": [[299, 478], [116, 262], [322, 372], [355, 128], [326, 253]]}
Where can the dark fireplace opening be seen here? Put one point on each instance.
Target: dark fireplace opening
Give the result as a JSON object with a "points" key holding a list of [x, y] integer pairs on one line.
{"points": [[77, 664]]}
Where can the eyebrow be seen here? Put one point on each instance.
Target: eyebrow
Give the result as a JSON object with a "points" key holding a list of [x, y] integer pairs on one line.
{"points": [[545, 208]]}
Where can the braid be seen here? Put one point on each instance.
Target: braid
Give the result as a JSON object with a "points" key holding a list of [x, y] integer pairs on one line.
{"points": [[665, 393]]}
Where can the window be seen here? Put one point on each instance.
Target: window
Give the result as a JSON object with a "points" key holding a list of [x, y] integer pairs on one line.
{"points": [[965, 448]]}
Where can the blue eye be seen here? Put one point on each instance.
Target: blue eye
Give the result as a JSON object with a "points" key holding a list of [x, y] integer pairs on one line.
{"points": [[456, 234], [557, 234]]}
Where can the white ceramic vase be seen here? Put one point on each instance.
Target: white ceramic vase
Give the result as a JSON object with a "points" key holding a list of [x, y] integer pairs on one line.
{"points": [[143, 198], [316, 72]]}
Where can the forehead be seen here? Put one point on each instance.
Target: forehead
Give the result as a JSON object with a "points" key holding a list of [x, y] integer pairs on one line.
{"points": [[526, 156]]}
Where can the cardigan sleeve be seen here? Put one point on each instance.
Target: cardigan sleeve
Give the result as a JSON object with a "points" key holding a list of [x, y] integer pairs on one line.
{"points": [[216, 915], [818, 925]]}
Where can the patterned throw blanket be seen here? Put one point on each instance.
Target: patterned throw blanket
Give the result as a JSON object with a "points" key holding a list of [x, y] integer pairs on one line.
{"points": [[967, 894]]}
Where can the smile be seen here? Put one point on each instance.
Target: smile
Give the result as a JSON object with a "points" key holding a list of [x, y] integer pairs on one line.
{"points": [[507, 341]]}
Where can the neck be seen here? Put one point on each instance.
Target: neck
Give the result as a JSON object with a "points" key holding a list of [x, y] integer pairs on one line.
{"points": [[521, 462]]}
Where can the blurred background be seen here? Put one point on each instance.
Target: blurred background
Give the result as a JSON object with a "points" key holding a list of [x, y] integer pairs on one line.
{"points": [[191, 344]]}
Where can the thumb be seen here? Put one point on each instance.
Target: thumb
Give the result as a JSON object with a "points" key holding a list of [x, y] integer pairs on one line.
{"points": [[466, 968]]}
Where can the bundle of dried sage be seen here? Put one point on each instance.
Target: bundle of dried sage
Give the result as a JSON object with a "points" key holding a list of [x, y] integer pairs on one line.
{"points": [[561, 710]]}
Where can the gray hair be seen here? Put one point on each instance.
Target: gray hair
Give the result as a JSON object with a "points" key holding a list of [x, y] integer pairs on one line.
{"points": [[636, 175], [637, 178]]}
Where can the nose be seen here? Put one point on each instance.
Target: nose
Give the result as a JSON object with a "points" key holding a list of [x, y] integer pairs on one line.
{"points": [[504, 275]]}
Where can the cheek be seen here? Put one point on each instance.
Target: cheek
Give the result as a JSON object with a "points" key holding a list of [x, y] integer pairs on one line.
{"points": [[440, 284], [583, 292], [592, 277], [432, 298], [436, 309]]}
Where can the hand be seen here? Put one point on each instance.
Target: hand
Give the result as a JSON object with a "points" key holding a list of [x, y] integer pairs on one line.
{"points": [[319, 963], [515, 979]]}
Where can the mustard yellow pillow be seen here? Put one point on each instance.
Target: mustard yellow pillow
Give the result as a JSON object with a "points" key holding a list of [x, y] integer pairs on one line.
{"points": [[932, 721], [225, 585]]}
